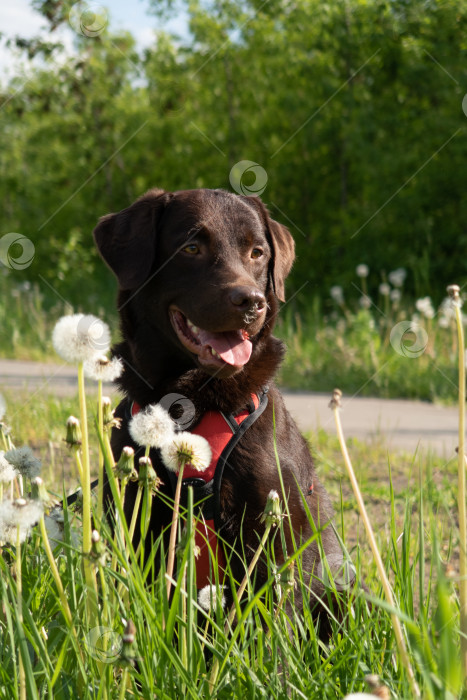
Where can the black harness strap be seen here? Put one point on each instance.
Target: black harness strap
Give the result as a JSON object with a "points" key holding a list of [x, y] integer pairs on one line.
{"points": [[206, 495], [222, 461]]}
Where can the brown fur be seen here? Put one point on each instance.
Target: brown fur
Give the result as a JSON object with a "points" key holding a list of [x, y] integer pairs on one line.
{"points": [[144, 246]]}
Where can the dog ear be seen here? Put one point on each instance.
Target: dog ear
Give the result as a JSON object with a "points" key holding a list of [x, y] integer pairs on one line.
{"points": [[127, 240], [282, 244]]}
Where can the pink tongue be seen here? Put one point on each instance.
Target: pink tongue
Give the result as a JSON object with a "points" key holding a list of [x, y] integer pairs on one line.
{"points": [[233, 348]]}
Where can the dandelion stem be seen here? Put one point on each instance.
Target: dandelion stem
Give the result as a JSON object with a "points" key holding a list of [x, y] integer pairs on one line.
{"points": [[19, 597], [134, 516], [376, 554], [91, 584], [66, 612], [100, 483], [173, 530], [55, 573], [461, 494], [79, 466]]}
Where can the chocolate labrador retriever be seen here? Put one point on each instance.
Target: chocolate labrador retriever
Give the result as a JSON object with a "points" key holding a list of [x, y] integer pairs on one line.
{"points": [[200, 275]]}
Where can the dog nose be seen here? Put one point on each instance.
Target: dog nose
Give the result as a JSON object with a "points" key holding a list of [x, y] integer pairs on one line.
{"points": [[248, 299]]}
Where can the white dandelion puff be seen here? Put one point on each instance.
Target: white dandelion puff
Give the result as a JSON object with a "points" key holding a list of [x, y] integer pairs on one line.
{"points": [[444, 322], [337, 294], [187, 448], [153, 426], [100, 368], [397, 277], [425, 307], [24, 461], [362, 270], [208, 597], [365, 301], [7, 472], [384, 289], [80, 337], [395, 296], [22, 514], [54, 525], [446, 307]]}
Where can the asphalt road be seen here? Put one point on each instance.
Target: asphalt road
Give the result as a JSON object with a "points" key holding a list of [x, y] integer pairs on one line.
{"points": [[402, 424]]}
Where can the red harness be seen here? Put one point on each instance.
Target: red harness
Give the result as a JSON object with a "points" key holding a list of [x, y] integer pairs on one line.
{"points": [[222, 432]]}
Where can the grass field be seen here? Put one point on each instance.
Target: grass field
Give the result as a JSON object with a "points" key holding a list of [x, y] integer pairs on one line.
{"points": [[270, 653]]}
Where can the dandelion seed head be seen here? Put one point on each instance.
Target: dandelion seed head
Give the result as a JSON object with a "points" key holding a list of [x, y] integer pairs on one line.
{"points": [[397, 277], [24, 461], [337, 293], [362, 270], [365, 301], [80, 337], [54, 526], [22, 514], [395, 296], [7, 472], [153, 426], [425, 307], [207, 597], [454, 295], [100, 368], [187, 448], [384, 289], [444, 321]]}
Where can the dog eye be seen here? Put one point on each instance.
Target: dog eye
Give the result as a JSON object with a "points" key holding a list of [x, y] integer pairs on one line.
{"points": [[256, 253], [191, 249]]}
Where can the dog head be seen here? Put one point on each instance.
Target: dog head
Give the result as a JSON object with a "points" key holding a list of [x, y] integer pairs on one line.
{"points": [[201, 268]]}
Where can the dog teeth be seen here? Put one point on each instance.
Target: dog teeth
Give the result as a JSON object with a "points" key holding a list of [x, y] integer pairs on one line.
{"points": [[214, 353], [192, 327]]}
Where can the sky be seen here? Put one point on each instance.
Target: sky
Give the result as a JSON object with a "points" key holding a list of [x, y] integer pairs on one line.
{"points": [[18, 18]]}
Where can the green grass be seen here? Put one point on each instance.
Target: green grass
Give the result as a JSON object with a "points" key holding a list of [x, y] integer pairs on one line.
{"points": [[411, 502], [352, 350]]}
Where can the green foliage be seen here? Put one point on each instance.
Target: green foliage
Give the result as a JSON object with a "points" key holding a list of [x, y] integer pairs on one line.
{"points": [[353, 108]]}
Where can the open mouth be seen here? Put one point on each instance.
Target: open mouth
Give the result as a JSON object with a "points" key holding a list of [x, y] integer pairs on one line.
{"points": [[212, 348]]}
